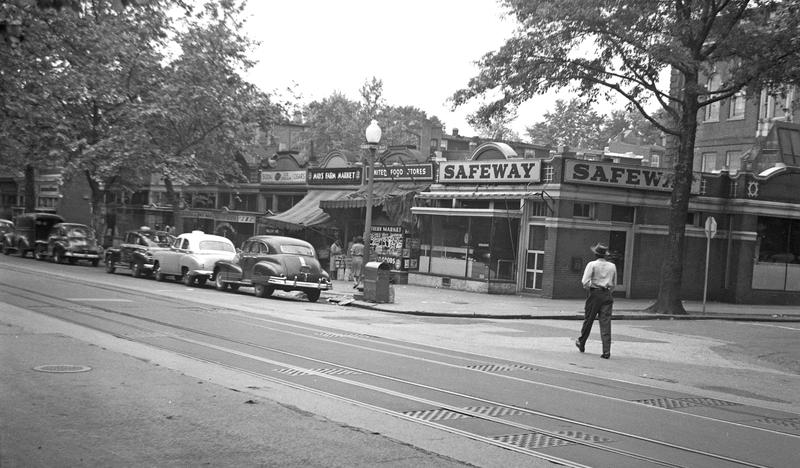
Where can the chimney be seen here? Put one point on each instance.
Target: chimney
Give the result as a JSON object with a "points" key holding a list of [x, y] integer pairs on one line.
{"points": [[455, 132]]}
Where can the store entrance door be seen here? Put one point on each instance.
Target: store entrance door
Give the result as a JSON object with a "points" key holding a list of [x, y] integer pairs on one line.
{"points": [[618, 248]]}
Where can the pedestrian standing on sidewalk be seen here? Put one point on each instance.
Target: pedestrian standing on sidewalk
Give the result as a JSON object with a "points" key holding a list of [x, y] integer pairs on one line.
{"points": [[336, 257], [600, 279], [357, 259]]}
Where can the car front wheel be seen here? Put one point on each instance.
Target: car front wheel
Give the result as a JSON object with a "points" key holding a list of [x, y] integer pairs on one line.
{"points": [[188, 279], [313, 294], [38, 254], [136, 269], [262, 290], [58, 256], [219, 283], [157, 273], [110, 266]]}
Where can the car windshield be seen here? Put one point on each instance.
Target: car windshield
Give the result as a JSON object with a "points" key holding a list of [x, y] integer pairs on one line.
{"points": [[216, 245], [158, 239], [297, 250], [79, 231]]}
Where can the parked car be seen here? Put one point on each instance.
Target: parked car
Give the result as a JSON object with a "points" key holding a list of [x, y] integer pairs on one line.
{"points": [[69, 242], [268, 263], [136, 251], [28, 229], [191, 257], [6, 227]]}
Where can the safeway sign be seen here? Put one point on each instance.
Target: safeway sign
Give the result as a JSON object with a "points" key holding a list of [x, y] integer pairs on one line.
{"points": [[711, 227]]}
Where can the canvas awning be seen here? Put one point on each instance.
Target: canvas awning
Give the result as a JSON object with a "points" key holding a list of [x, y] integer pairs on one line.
{"points": [[307, 212], [381, 192], [489, 195]]}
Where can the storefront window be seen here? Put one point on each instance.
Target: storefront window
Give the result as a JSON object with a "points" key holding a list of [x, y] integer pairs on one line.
{"points": [[778, 253], [472, 248]]}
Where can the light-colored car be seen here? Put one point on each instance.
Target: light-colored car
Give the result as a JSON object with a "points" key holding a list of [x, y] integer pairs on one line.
{"points": [[191, 257], [269, 263]]}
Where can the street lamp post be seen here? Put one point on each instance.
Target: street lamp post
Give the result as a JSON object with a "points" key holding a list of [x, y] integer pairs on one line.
{"points": [[373, 134]]}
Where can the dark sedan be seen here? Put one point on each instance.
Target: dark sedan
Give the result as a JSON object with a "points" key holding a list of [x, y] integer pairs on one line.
{"points": [[269, 263], [136, 251]]}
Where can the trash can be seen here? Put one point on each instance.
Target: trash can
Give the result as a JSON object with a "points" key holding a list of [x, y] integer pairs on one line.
{"points": [[377, 287]]}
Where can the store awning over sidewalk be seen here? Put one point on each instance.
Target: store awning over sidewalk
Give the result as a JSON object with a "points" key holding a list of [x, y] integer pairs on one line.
{"points": [[487, 194], [380, 193], [307, 212]]}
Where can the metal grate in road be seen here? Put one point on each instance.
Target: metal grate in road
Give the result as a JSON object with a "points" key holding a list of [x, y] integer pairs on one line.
{"points": [[341, 335], [792, 423], [439, 414], [499, 367], [532, 440], [672, 403], [580, 435], [333, 371]]}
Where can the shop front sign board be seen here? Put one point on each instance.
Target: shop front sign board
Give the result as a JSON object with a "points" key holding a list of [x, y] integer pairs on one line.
{"points": [[490, 172], [621, 176], [334, 176], [283, 177], [408, 172]]}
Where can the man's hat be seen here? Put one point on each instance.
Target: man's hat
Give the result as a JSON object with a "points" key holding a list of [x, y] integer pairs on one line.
{"points": [[599, 249]]}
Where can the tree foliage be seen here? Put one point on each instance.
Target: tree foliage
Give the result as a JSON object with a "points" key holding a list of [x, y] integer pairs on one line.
{"points": [[625, 48], [337, 122]]}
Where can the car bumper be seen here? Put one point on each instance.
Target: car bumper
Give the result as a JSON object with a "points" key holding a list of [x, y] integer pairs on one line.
{"points": [[201, 272], [285, 282], [87, 256]]}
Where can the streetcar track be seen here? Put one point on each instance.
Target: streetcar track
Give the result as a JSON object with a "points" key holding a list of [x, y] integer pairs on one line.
{"points": [[79, 308]]}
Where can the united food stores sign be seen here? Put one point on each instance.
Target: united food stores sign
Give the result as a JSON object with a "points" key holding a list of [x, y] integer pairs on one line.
{"points": [[490, 172], [633, 177], [412, 172]]}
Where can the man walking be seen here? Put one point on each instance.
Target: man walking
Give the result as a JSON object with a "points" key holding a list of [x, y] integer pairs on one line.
{"points": [[600, 278]]}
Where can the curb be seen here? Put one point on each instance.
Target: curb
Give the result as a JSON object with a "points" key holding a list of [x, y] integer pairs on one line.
{"points": [[578, 316]]}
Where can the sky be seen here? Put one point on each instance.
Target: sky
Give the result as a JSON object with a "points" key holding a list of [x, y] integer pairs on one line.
{"points": [[422, 50]]}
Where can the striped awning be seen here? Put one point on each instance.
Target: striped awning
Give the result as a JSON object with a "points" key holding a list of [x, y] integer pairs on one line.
{"points": [[472, 194], [307, 212], [381, 192]]}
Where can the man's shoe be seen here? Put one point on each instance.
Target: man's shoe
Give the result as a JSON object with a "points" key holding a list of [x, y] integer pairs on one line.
{"points": [[605, 355], [580, 346]]}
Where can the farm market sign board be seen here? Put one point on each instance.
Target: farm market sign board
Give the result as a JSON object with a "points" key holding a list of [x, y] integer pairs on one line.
{"points": [[632, 177], [334, 176], [490, 172]]}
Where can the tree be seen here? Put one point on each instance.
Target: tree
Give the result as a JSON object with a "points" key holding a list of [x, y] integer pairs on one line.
{"points": [[204, 114], [571, 123], [623, 47], [495, 125]]}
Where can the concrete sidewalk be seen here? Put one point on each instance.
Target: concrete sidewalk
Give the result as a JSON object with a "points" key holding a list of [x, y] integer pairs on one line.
{"points": [[421, 300]]}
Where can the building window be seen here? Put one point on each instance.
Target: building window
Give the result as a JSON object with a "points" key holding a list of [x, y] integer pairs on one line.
{"points": [[622, 214], [693, 219], [549, 173], [538, 208], [734, 187], [736, 109], [582, 210], [778, 253], [703, 186], [709, 162], [712, 110], [733, 161], [655, 160]]}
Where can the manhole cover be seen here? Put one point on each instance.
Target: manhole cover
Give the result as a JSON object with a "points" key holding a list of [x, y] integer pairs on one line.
{"points": [[62, 368]]}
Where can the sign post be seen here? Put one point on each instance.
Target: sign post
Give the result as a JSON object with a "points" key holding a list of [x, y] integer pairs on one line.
{"points": [[711, 231]]}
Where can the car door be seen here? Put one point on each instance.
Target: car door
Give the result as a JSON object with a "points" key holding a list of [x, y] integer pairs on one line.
{"points": [[127, 248], [249, 258], [171, 263]]}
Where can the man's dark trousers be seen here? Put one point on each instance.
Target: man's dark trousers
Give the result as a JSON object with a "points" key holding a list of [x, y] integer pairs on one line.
{"points": [[599, 302]]}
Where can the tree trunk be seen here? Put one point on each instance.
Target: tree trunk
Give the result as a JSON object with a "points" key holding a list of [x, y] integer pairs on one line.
{"points": [[172, 199], [669, 300], [30, 188], [97, 210]]}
